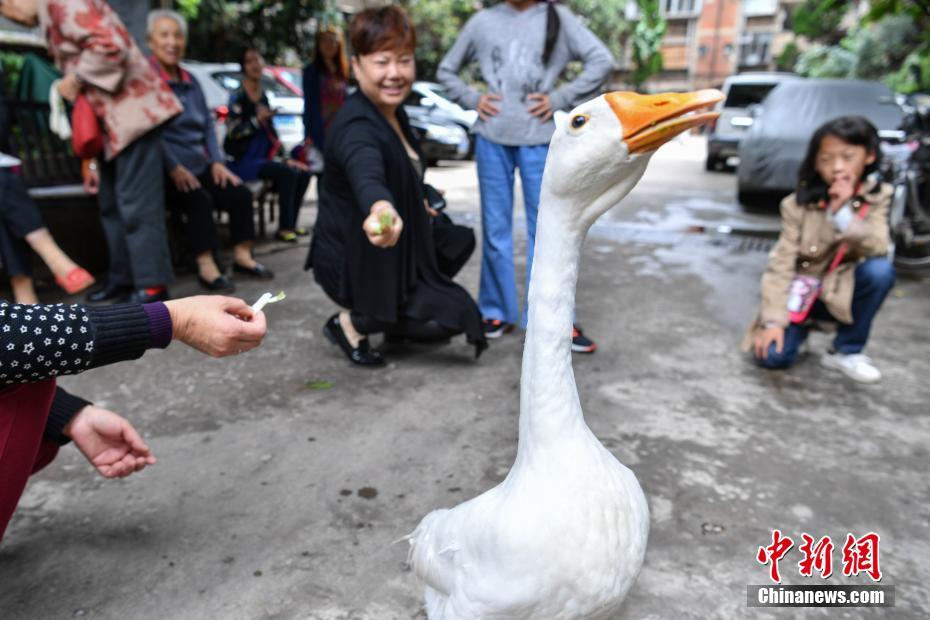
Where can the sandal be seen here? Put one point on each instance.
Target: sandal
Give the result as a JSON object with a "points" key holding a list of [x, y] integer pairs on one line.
{"points": [[75, 280]]}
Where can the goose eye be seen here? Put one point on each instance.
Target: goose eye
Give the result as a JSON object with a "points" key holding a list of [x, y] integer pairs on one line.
{"points": [[578, 121]]}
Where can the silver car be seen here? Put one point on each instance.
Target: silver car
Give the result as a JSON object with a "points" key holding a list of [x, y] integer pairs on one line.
{"points": [[771, 152], [741, 92]]}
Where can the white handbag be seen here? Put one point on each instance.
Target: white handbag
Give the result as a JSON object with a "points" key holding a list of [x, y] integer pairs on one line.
{"points": [[58, 120]]}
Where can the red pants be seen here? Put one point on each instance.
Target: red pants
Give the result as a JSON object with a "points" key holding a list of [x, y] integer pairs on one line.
{"points": [[23, 450]]}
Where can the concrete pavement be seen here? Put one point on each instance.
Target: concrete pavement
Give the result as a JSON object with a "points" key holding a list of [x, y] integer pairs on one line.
{"points": [[285, 474]]}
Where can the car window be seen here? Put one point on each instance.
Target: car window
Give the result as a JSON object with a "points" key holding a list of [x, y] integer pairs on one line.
{"points": [[414, 98], [441, 92], [745, 95], [231, 80], [292, 76]]}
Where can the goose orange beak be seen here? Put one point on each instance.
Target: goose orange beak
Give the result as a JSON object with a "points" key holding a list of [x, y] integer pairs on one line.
{"points": [[649, 121]]}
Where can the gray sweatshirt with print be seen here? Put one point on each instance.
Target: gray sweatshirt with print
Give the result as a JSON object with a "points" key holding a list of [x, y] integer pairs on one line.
{"points": [[508, 45]]}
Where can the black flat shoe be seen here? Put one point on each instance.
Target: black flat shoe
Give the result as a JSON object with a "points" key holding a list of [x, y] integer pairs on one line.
{"points": [[220, 285], [109, 293], [361, 355], [258, 271], [144, 296]]}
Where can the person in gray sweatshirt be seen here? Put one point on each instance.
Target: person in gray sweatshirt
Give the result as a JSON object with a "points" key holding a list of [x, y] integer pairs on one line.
{"points": [[522, 47]]}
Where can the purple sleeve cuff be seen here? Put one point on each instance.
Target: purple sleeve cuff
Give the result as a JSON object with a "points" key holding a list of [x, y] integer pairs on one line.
{"points": [[159, 324]]}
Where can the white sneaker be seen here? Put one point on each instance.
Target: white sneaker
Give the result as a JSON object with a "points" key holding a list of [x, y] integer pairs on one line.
{"points": [[856, 366]]}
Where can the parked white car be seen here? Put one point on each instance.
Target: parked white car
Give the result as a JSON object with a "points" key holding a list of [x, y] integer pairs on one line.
{"points": [[219, 80]]}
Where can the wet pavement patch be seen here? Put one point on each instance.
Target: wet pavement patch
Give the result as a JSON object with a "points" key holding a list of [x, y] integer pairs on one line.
{"points": [[368, 492]]}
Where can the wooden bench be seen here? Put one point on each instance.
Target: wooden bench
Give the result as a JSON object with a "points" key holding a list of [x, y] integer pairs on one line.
{"points": [[52, 171]]}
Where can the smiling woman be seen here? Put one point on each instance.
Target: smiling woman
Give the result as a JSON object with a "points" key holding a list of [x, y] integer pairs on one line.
{"points": [[199, 181], [374, 247]]}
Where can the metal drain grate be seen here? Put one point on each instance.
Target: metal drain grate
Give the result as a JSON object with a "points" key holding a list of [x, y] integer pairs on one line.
{"points": [[753, 244]]}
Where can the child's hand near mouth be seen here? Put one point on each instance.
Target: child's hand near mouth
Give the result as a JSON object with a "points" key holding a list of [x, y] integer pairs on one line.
{"points": [[840, 191]]}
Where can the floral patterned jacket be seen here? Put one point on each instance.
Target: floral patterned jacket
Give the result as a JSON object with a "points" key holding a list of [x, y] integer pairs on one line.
{"points": [[87, 38]]}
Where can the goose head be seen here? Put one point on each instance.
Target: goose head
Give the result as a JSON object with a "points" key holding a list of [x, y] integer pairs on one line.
{"points": [[600, 149]]}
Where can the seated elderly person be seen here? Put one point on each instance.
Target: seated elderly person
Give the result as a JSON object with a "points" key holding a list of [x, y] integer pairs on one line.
{"points": [[199, 180]]}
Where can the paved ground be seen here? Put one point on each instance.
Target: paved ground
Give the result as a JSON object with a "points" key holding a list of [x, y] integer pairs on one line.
{"points": [[285, 474]]}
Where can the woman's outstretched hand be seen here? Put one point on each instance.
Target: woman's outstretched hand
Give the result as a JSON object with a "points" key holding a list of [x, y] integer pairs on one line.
{"points": [[383, 225], [216, 325], [109, 442]]}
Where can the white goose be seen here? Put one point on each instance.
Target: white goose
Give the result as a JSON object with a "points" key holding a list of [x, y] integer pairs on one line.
{"points": [[563, 536]]}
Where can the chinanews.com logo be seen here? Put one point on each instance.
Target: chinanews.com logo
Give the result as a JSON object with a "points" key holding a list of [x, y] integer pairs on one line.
{"points": [[859, 556]]}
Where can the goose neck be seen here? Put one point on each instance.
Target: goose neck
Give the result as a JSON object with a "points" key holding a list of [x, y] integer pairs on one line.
{"points": [[550, 411]]}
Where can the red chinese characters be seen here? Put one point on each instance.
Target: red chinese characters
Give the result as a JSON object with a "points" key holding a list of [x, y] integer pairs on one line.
{"points": [[861, 556], [774, 552], [817, 557]]}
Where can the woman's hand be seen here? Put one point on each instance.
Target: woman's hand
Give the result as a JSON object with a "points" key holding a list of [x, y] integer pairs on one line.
{"points": [[223, 175], [486, 107], [69, 87], [296, 164], [379, 235], [263, 114], [541, 108], [91, 178], [764, 339], [216, 325], [183, 179], [109, 442]]}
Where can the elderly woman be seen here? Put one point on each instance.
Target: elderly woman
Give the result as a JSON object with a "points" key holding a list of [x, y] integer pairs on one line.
{"points": [[253, 143], [199, 180], [100, 60], [373, 250]]}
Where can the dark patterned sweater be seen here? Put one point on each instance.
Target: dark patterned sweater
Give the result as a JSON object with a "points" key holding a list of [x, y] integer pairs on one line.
{"points": [[39, 342]]}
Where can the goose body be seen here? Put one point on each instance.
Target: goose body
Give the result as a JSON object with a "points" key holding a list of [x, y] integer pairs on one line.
{"points": [[563, 536]]}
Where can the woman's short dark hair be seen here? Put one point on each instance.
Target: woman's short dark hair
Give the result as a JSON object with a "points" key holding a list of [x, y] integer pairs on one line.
{"points": [[245, 53], [374, 30], [855, 130]]}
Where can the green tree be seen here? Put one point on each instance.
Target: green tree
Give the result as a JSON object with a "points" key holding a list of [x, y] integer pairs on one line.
{"points": [[819, 20], [646, 42], [219, 30], [866, 52], [439, 22], [605, 18]]}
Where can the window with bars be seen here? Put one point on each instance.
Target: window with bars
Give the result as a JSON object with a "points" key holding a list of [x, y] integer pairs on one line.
{"points": [[755, 48], [681, 8]]}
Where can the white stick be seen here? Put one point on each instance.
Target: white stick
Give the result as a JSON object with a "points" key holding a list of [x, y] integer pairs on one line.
{"points": [[266, 299]]}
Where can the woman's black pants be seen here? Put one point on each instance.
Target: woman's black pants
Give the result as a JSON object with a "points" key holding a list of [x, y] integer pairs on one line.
{"points": [[18, 217], [291, 185], [198, 206]]}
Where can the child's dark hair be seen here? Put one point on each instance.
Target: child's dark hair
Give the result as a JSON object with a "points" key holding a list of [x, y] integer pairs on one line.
{"points": [[855, 130], [553, 25]]}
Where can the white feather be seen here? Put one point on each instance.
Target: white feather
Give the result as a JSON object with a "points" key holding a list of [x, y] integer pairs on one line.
{"points": [[564, 535]]}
